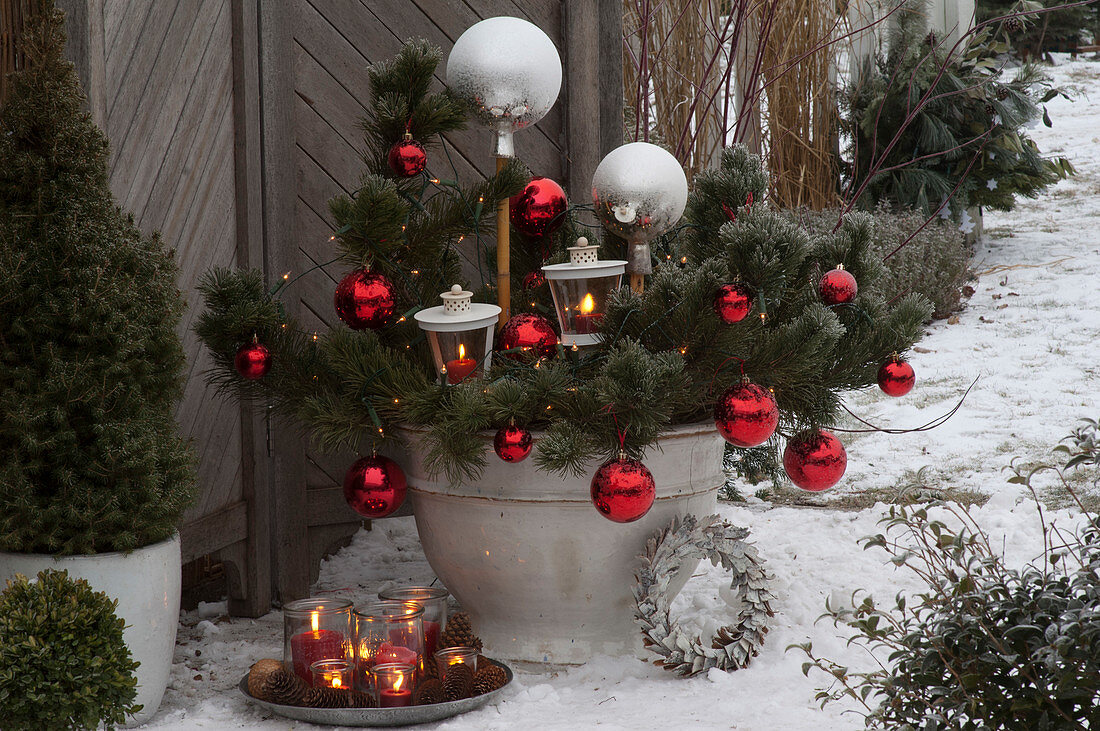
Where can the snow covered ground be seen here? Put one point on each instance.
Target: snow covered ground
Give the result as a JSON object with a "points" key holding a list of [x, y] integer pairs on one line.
{"points": [[1029, 333]]}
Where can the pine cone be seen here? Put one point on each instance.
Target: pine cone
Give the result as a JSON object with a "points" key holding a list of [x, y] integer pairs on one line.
{"points": [[359, 699], [431, 669], [1014, 25], [258, 673], [284, 688], [428, 692], [488, 678], [458, 683], [989, 108], [327, 698], [459, 632], [1002, 93]]}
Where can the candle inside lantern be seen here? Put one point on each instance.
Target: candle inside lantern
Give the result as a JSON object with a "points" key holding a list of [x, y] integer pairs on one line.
{"points": [[394, 683], [586, 321], [315, 644], [461, 367], [387, 652]]}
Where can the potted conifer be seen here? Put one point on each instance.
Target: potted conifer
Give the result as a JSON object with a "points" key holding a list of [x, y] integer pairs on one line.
{"points": [[522, 541], [93, 476]]}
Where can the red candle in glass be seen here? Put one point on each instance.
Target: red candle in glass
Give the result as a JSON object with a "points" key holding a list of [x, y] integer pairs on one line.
{"points": [[586, 321], [431, 637], [460, 368], [394, 683], [394, 698], [307, 648], [395, 653]]}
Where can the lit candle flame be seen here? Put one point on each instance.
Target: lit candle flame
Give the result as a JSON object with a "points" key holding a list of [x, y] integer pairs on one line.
{"points": [[397, 683], [587, 304], [315, 620], [461, 351], [336, 682]]}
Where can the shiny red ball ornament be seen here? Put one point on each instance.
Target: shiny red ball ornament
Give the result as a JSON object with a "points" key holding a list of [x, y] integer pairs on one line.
{"points": [[530, 331], [253, 360], [407, 158], [746, 414], [815, 460], [838, 286], [896, 377], [732, 302], [364, 299], [539, 209], [623, 489], [512, 443], [374, 486], [533, 280]]}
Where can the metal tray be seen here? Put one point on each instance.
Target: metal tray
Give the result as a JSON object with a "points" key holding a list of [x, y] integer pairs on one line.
{"points": [[406, 716]]}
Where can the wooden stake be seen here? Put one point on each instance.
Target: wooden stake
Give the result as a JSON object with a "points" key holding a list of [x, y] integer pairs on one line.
{"points": [[504, 281], [637, 283]]}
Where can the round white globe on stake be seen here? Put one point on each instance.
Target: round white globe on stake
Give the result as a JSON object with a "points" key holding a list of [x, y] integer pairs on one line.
{"points": [[640, 192], [509, 72]]}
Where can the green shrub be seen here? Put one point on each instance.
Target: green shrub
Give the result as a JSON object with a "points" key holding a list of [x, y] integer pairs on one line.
{"points": [[935, 262], [984, 646], [961, 123], [90, 360], [1061, 29], [63, 664]]}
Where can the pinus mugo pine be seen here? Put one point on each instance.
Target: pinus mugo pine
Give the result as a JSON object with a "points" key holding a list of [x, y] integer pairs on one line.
{"points": [[665, 356], [90, 362]]}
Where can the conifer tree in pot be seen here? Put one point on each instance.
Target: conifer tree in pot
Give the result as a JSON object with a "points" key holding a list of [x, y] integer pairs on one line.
{"points": [[93, 475]]}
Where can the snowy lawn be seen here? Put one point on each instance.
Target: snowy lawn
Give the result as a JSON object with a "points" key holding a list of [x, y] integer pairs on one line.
{"points": [[1029, 335]]}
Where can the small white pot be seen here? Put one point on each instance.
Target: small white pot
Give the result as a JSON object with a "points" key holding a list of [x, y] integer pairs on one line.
{"points": [[544, 576], [146, 583]]}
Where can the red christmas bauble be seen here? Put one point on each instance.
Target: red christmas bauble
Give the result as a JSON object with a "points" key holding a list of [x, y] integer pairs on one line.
{"points": [[533, 280], [732, 302], [407, 158], [530, 331], [838, 287], [252, 361], [746, 414], [374, 486], [815, 460], [512, 443], [364, 299], [623, 489], [539, 209], [896, 377]]}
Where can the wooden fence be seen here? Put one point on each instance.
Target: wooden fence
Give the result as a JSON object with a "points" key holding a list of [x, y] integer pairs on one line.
{"points": [[232, 122]]}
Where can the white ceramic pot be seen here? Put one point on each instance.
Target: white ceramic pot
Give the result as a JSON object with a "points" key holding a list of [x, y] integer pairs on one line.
{"points": [[146, 583], [543, 575]]}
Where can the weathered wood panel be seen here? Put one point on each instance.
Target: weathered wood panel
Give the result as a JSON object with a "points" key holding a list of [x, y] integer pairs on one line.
{"points": [[175, 86]]}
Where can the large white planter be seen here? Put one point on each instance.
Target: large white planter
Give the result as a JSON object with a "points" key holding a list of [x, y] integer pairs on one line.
{"points": [[543, 575], [146, 583]]}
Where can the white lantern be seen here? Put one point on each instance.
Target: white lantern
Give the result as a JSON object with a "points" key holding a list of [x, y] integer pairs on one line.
{"points": [[460, 333], [581, 289]]}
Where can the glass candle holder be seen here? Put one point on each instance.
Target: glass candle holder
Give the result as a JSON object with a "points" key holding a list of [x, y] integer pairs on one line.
{"points": [[393, 684], [444, 659], [337, 674], [315, 629], [388, 632], [434, 601]]}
